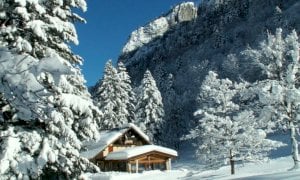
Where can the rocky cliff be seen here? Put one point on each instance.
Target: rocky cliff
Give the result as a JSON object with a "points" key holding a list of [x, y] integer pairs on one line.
{"points": [[158, 27], [180, 47]]}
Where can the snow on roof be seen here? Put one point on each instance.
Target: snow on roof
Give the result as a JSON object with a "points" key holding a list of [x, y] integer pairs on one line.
{"points": [[139, 131], [108, 137], [138, 150]]}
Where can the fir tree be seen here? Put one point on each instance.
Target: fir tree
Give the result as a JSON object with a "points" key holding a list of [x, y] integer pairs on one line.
{"points": [[48, 109], [38, 26], [48, 122], [149, 108], [114, 97], [127, 93], [108, 97]]}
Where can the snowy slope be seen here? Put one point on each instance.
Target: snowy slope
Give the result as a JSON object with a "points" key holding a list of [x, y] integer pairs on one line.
{"points": [[274, 169]]}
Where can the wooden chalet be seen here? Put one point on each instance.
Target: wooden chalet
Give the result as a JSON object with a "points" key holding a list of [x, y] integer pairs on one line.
{"points": [[128, 149]]}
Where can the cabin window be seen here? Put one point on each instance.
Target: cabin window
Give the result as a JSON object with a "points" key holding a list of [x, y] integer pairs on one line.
{"points": [[160, 166], [148, 167], [142, 168], [119, 166]]}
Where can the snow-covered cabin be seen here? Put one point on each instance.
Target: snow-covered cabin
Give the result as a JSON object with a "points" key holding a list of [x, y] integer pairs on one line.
{"points": [[128, 149]]}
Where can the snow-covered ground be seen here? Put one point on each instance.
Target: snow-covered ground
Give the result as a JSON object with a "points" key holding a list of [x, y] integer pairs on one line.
{"points": [[274, 169]]}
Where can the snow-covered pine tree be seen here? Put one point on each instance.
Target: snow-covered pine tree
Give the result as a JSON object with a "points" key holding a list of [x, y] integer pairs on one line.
{"points": [[108, 96], [149, 108], [74, 102], [47, 123], [49, 108], [127, 93], [279, 58], [226, 132], [35, 26]]}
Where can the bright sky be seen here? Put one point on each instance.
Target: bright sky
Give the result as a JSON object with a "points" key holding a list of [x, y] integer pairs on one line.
{"points": [[109, 24]]}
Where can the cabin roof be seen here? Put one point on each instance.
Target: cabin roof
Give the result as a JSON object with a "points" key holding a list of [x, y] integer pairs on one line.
{"points": [[108, 137], [139, 150]]}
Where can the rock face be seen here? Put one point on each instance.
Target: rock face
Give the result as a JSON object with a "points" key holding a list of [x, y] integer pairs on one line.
{"points": [[183, 12], [180, 48], [157, 28]]}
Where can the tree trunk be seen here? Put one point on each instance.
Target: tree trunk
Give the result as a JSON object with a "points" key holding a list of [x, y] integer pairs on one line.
{"points": [[231, 162], [294, 145]]}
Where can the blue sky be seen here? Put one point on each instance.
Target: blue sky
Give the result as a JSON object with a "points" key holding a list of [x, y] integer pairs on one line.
{"points": [[109, 24]]}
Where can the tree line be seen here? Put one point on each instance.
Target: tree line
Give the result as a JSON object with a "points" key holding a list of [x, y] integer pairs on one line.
{"points": [[120, 104]]}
